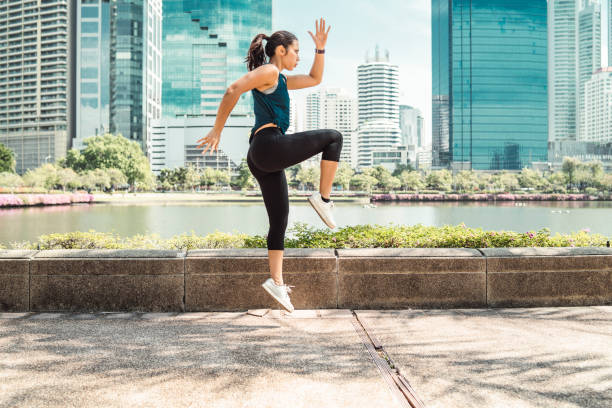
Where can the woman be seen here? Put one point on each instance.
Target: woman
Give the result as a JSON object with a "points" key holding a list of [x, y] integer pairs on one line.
{"points": [[271, 151]]}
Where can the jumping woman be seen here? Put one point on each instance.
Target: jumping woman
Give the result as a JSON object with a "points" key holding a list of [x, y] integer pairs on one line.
{"points": [[271, 151]]}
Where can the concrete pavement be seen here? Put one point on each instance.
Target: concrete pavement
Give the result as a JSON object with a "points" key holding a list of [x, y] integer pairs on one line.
{"points": [[540, 357]]}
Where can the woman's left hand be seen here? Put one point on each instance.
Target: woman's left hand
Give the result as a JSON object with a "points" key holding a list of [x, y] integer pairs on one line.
{"points": [[320, 38]]}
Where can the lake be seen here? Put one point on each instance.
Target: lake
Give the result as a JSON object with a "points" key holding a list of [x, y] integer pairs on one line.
{"points": [[173, 218]]}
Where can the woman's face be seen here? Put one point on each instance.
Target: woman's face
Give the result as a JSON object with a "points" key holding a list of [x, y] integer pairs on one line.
{"points": [[291, 57]]}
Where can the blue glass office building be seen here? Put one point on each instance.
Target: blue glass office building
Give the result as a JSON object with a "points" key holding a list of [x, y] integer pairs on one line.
{"points": [[92, 70], [204, 44], [489, 92]]}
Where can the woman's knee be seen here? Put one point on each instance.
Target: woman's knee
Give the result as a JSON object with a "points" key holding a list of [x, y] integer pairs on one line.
{"points": [[336, 136], [332, 152]]}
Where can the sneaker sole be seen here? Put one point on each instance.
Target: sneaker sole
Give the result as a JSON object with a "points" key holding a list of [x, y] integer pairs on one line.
{"points": [[275, 298], [330, 225]]}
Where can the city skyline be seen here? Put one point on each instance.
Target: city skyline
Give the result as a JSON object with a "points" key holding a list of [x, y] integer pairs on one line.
{"points": [[383, 27]]}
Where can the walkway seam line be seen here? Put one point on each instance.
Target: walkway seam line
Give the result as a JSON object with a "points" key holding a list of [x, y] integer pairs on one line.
{"points": [[398, 385]]}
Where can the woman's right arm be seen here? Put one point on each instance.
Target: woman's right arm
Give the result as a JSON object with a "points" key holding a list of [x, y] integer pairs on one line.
{"points": [[259, 77]]}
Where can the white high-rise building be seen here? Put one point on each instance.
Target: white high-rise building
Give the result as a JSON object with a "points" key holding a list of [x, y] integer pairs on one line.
{"points": [[334, 108], [589, 48], [597, 123], [294, 126], [411, 125], [378, 99], [36, 73], [562, 69], [609, 32]]}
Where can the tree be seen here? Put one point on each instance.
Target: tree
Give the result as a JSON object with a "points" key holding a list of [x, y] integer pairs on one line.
{"points": [[7, 160], [411, 180], [208, 177], [569, 167], [73, 160], [558, 182], [109, 151], [343, 175], [192, 177], [245, 179], [116, 177], [466, 181], [528, 178], [363, 182], [68, 178], [10, 180], [45, 176], [439, 180], [310, 176], [400, 168], [291, 173]]}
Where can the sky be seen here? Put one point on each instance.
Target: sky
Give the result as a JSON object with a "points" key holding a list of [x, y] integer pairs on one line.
{"points": [[401, 26], [357, 26]]}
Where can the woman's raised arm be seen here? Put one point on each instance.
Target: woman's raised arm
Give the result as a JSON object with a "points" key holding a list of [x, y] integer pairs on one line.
{"points": [[259, 77], [316, 72]]}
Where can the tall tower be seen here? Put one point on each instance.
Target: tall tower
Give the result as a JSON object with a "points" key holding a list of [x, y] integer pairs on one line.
{"points": [[562, 71], [37, 70], [135, 68], [597, 123], [440, 91], [610, 33], [378, 102], [589, 49], [92, 70], [490, 83]]}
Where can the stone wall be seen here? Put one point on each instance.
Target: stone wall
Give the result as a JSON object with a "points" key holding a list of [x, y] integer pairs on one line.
{"points": [[373, 278]]}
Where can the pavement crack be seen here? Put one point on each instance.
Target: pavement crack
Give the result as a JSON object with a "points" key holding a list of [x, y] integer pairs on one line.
{"points": [[397, 383]]}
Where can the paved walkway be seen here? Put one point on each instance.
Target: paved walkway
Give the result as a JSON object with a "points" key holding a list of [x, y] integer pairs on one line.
{"points": [[557, 357]]}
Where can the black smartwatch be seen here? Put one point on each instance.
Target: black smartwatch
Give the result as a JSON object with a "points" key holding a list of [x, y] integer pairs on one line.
{"points": [[320, 51]]}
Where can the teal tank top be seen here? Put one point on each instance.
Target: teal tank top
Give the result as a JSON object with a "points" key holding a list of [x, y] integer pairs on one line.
{"points": [[272, 107]]}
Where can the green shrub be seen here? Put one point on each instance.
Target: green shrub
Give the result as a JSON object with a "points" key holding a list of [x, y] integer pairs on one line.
{"points": [[302, 235]]}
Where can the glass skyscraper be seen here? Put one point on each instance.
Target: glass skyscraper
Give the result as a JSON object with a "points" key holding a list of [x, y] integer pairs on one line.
{"points": [[135, 68], [204, 45], [92, 70], [490, 95]]}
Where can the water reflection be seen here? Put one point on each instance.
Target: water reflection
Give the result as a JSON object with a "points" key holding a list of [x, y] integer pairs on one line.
{"points": [[168, 219]]}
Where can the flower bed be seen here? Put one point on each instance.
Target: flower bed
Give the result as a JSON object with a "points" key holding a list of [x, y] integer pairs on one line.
{"points": [[488, 197], [26, 200]]}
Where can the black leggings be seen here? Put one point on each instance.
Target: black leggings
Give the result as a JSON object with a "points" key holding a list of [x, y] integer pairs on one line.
{"points": [[270, 153]]}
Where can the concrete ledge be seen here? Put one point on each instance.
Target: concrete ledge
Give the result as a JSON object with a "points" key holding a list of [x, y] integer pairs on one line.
{"points": [[523, 277], [110, 280], [15, 280], [412, 277], [227, 280]]}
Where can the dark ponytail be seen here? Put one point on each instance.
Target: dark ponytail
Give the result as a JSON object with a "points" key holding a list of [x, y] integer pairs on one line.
{"points": [[256, 56]]}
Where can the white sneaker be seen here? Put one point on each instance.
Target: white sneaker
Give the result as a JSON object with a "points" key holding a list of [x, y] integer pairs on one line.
{"points": [[279, 293], [323, 209]]}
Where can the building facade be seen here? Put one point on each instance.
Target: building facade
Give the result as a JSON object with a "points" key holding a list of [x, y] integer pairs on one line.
{"points": [[36, 80], [92, 83], [378, 104], [205, 44], [174, 142], [411, 125], [135, 68], [597, 123], [589, 50], [562, 72], [609, 32], [493, 64], [334, 108]]}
